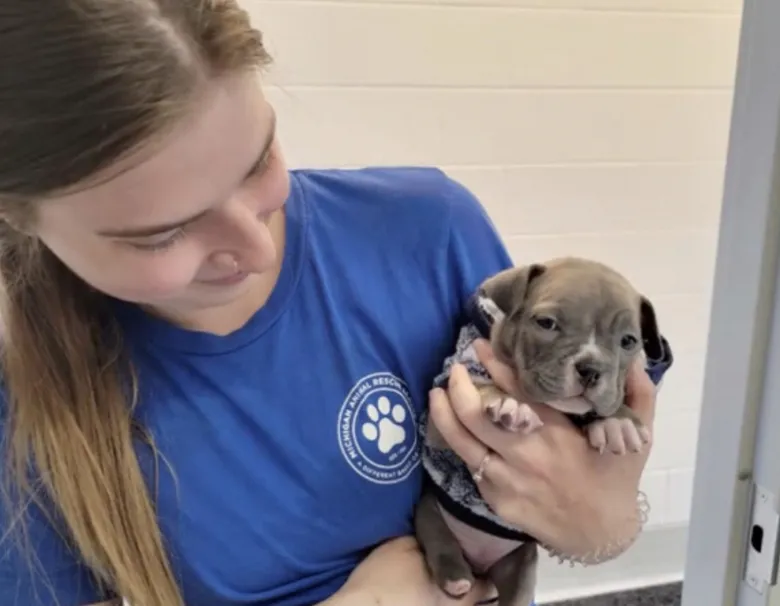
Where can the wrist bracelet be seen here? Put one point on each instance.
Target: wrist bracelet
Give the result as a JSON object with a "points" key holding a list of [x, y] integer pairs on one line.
{"points": [[611, 549]]}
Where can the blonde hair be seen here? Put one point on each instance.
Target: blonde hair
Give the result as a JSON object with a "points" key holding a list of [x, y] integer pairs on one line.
{"points": [[85, 83]]}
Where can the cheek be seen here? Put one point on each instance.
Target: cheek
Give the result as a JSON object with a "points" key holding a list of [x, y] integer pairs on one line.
{"points": [[267, 193], [147, 287], [162, 276], [546, 349], [133, 276], [274, 187]]}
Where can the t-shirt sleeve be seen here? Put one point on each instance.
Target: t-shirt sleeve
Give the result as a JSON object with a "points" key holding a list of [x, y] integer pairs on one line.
{"points": [[475, 249], [40, 569]]}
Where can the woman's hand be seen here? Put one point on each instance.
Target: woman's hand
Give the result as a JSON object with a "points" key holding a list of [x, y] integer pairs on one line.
{"points": [[395, 574], [551, 483]]}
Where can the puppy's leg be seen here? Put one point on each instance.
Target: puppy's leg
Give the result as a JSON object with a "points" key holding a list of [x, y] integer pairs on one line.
{"points": [[620, 433], [504, 410], [514, 575], [443, 554]]}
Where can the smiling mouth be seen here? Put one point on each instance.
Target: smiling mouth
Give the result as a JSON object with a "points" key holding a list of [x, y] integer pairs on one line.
{"points": [[227, 280]]}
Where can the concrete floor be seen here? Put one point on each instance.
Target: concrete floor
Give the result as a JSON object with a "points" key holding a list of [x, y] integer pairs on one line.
{"points": [[663, 595]]}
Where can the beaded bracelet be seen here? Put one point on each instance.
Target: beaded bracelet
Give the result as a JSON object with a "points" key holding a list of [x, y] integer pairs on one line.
{"points": [[612, 549]]}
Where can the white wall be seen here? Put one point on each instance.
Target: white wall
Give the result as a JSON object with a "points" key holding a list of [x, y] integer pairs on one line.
{"points": [[591, 127]]}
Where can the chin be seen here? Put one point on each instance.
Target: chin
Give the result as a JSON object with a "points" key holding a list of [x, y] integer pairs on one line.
{"points": [[200, 300]]}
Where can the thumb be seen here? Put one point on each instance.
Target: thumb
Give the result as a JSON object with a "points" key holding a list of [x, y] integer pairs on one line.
{"points": [[502, 375], [640, 392]]}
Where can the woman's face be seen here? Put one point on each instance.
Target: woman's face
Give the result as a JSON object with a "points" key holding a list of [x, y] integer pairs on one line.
{"points": [[191, 225]]}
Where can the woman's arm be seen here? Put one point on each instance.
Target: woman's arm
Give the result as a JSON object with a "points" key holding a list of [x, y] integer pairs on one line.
{"points": [[395, 574], [346, 599]]}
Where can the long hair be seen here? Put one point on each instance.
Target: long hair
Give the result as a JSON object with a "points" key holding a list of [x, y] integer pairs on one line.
{"points": [[84, 84]]}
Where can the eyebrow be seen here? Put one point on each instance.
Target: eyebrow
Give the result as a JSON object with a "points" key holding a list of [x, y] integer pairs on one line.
{"points": [[161, 228]]}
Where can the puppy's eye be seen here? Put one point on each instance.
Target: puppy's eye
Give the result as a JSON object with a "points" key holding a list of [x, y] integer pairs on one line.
{"points": [[546, 323], [628, 342]]}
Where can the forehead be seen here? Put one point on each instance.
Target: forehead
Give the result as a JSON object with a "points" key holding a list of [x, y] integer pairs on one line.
{"points": [[197, 164], [586, 290]]}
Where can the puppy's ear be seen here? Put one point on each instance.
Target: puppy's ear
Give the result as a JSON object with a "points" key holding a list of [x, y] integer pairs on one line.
{"points": [[651, 335], [509, 288]]}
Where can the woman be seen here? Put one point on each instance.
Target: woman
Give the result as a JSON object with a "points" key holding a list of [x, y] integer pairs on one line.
{"points": [[213, 365]]}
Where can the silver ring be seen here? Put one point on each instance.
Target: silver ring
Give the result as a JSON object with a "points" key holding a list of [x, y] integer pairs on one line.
{"points": [[480, 473]]}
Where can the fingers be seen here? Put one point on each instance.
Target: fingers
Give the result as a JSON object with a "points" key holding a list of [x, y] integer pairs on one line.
{"points": [[486, 594], [455, 433], [462, 422], [504, 378], [466, 401], [640, 393], [501, 374]]}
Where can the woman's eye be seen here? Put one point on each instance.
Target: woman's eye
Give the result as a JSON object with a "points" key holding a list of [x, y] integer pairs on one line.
{"points": [[628, 342], [159, 243], [262, 164], [546, 323]]}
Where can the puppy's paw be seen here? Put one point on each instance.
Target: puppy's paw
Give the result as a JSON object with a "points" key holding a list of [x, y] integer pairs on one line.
{"points": [[453, 575], [458, 588], [513, 415], [617, 435]]}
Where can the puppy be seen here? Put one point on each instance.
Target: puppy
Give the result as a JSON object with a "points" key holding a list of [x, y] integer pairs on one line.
{"points": [[570, 329]]}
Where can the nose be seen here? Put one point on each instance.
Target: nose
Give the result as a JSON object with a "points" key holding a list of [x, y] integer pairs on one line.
{"points": [[251, 239], [588, 373]]}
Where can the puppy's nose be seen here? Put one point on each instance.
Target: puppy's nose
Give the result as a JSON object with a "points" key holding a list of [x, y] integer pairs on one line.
{"points": [[588, 373]]}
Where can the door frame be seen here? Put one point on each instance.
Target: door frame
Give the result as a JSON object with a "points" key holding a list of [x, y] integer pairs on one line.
{"points": [[737, 478]]}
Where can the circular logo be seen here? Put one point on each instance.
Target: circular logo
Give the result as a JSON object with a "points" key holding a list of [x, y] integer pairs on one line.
{"points": [[377, 429]]}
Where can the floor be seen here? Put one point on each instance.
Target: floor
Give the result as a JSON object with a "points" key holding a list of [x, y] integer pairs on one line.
{"points": [[663, 595]]}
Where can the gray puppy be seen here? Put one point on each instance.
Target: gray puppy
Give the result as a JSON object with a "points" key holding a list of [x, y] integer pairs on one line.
{"points": [[570, 328]]}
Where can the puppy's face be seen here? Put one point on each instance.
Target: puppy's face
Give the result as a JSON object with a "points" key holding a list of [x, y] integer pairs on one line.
{"points": [[572, 327]]}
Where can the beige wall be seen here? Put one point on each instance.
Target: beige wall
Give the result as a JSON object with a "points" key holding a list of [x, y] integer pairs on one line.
{"points": [[592, 127]]}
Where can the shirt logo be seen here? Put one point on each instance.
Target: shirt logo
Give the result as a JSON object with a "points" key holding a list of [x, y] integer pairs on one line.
{"points": [[377, 430]]}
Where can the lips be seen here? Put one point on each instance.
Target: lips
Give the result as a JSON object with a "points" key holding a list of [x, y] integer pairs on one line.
{"points": [[227, 280]]}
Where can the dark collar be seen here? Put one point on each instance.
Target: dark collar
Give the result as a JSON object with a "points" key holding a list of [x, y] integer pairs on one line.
{"points": [[483, 313]]}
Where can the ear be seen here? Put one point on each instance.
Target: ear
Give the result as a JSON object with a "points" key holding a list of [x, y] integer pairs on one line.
{"points": [[508, 289], [651, 336]]}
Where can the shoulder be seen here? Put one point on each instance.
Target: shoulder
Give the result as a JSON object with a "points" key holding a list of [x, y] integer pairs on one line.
{"points": [[417, 217], [423, 195]]}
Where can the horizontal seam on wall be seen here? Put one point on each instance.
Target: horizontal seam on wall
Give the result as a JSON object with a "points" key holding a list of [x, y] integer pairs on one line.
{"points": [[443, 4], [720, 89]]}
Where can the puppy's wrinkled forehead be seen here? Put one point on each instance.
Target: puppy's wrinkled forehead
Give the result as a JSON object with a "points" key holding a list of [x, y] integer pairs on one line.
{"points": [[584, 289]]}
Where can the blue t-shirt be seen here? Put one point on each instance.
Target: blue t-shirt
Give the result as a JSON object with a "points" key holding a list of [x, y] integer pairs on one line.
{"points": [[293, 440]]}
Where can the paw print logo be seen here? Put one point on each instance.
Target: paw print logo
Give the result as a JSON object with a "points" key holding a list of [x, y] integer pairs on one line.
{"points": [[385, 424], [377, 429]]}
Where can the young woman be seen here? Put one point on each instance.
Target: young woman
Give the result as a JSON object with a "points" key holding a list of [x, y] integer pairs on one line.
{"points": [[212, 365]]}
